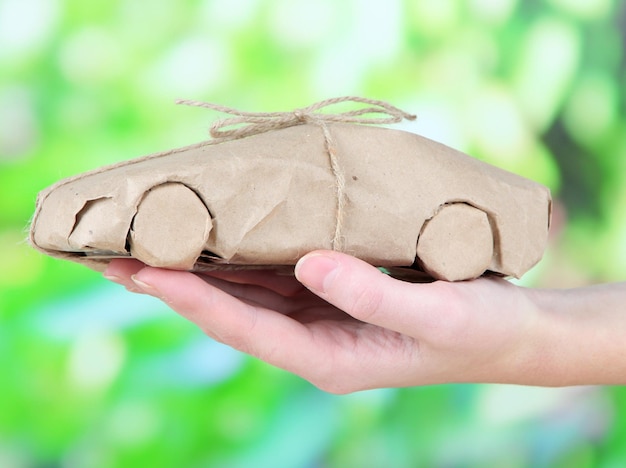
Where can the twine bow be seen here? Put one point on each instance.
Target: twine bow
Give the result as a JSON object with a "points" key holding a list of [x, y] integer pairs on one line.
{"points": [[252, 123]]}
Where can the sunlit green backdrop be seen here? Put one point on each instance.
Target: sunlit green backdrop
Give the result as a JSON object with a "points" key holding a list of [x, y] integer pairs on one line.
{"points": [[92, 376]]}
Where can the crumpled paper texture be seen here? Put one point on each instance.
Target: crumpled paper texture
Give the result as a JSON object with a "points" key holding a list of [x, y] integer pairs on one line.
{"points": [[270, 198]]}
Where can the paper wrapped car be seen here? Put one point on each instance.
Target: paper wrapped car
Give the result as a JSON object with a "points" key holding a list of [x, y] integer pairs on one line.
{"points": [[268, 193]]}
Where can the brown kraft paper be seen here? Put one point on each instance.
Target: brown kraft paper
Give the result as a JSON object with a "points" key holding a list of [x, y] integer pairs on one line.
{"points": [[277, 187]]}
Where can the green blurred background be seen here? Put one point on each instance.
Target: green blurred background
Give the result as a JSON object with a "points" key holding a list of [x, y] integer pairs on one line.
{"points": [[92, 376]]}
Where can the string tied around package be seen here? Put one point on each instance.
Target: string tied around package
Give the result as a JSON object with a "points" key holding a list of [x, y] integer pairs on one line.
{"points": [[244, 124]]}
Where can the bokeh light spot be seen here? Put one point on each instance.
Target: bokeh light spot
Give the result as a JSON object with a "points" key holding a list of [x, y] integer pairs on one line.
{"points": [[435, 18], [19, 131], [585, 9], [133, 423], [190, 68], [497, 125], [95, 360], [92, 56], [493, 11], [549, 60], [303, 23], [592, 108], [25, 26]]}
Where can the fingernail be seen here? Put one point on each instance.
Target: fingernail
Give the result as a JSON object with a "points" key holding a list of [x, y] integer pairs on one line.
{"points": [[316, 271], [114, 278], [145, 287]]}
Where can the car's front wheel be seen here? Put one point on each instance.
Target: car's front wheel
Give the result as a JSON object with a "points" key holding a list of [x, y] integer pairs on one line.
{"points": [[170, 228], [456, 244]]}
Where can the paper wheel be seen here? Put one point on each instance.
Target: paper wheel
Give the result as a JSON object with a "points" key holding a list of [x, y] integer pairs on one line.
{"points": [[170, 228], [456, 244]]}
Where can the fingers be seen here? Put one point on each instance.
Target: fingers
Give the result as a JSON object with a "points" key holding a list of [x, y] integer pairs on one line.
{"points": [[264, 296], [121, 270], [367, 294], [270, 336], [277, 281], [264, 288]]}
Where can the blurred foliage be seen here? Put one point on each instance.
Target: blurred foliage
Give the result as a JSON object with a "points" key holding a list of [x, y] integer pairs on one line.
{"points": [[94, 377]]}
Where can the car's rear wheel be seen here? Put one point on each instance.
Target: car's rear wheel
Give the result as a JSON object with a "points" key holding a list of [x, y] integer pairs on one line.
{"points": [[170, 228], [456, 244]]}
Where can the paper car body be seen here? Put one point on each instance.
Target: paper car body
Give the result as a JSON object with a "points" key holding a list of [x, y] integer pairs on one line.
{"points": [[270, 198]]}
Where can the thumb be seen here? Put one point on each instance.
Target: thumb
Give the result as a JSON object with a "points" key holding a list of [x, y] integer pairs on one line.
{"points": [[367, 294]]}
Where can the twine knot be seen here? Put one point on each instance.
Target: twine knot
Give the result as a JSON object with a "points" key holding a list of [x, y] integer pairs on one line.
{"points": [[245, 124], [300, 116]]}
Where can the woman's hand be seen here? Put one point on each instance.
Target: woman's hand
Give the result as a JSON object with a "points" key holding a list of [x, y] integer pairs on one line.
{"points": [[345, 326]]}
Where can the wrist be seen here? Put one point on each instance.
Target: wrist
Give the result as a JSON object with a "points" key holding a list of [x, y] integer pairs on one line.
{"points": [[578, 338]]}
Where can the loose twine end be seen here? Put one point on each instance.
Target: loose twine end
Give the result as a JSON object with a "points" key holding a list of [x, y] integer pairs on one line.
{"points": [[244, 124]]}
